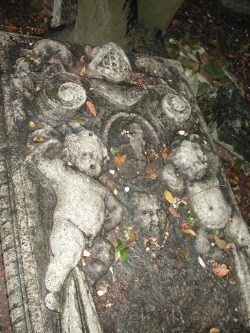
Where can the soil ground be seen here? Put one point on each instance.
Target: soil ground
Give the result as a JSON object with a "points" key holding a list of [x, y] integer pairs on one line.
{"points": [[226, 36]]}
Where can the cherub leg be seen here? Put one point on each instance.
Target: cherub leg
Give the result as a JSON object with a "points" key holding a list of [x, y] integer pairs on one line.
{"points": [[67, 244]]}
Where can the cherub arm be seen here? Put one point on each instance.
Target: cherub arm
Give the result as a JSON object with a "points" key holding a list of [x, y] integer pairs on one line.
{"points": [[43, 159], [115, 211]]}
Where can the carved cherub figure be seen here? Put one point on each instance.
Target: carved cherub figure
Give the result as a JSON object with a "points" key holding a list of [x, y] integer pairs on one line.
{"points": [[81, 208]]}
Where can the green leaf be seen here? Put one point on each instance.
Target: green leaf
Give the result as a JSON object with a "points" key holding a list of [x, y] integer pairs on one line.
{"points": [[238, 163], [203, 88], [214, 70], [121, 249], [173, 51], [193, 81], [124, 256], [120, 246], [191, 221], [115, 151], [189, 63]]}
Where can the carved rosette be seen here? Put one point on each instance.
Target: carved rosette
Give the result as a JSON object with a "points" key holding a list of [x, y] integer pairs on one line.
{"points": [[176, 108], [63, 96]]}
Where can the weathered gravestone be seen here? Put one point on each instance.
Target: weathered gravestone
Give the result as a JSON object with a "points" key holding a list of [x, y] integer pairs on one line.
{"points": [[103, 156], [102, 21]]}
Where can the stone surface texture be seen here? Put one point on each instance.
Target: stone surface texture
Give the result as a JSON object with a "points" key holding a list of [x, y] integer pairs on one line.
{"points": [[104, 158], [240, 8]]}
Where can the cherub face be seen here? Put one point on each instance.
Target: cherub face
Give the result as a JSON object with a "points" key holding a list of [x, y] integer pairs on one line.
{"points": [[86, 152], [91, 162], [149, 214]]}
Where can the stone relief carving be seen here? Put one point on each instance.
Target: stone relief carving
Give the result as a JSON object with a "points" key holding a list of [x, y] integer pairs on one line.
{"points": [[75, 166], [111, 62], [149, 216], [76, 192]]}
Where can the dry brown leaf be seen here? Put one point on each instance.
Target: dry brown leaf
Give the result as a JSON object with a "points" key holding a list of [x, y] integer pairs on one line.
{"points": [[117, 255], [115, 242], [190, 232], [214, 330], [173, 211], [132, 236], [32, 125], [184, 254], [38, 138], [221, 243], [164, 153], [11, 28], [78, 121], [91, 108], [119, 160], [39, 31], [220, 271], [168, 196]]}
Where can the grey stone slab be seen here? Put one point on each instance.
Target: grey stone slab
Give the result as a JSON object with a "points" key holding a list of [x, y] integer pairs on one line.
{"points": [[93, 144]]}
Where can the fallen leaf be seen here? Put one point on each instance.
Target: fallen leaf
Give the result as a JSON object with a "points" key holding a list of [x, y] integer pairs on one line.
{"points": [[220, 271], [78, 121], [115, 242], [176, 22], [115, 151], [169, 197], [38, 138], [193, 81], [83, 70], [32, 125], [190, 232], [221, 243], [117, 255], [173, 211], [124, 256], [11, 28], [184, 225], [119, 160], [120, 252], [214, 70], [164, 153], [191, 221], [91, 108], [214, 330], [184, 254], [132, 236], [238, 197], [39, 31], [204, 58], [201, 262], [214, 42]]}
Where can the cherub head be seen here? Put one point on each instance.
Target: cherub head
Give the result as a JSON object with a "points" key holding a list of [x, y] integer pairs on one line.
{"points": [[148, 214], [86, 152]]}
